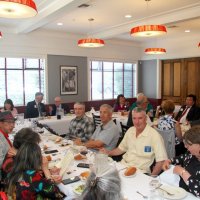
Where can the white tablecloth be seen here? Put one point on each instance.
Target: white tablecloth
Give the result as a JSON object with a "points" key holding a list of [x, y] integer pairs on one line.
{"points": [[130, 185]]}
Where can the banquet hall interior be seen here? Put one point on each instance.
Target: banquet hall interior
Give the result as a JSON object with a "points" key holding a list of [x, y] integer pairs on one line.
{"points": [[91, 51]]}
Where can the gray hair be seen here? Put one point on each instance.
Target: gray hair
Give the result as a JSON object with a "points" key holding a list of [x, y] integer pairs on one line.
{"points": [[107, 186], [109, 107], [80, 104], [39, 94], [139, 110]]}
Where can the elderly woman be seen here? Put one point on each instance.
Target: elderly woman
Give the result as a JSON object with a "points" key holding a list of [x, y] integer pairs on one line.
{"points": [[105, 185], [187, 166], [9, 106]]}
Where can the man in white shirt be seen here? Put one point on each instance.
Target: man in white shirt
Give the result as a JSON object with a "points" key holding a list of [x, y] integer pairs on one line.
{"points": [[141, 145]]}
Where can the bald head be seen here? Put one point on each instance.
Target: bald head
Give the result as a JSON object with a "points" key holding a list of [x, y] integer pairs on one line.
{"points": [[57, 101]]}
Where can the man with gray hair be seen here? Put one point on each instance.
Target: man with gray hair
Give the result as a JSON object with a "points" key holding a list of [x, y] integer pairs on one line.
{"points": [[141, 145], [107, 134], [81, 127], [35, 108]]}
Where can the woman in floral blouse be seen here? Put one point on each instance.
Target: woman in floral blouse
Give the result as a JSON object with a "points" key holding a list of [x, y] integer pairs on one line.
{"points": [[26, 179], [188, 164]]}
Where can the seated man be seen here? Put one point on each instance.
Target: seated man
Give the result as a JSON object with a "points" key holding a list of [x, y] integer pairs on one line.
{"points": [[142, 102], [142, 145], [58, 105], [81, 127], [7, 123], [189, 111], [35, 108], [107, 134]]}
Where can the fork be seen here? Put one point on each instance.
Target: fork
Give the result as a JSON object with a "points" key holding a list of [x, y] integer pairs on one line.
{"points": [[144, 196]]}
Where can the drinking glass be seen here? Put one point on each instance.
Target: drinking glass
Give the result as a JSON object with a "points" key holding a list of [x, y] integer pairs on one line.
{"points": [[153, 184]]}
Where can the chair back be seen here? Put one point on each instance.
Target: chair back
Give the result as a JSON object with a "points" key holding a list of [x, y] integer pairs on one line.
{"points": [[169, 141], [96, 119]]}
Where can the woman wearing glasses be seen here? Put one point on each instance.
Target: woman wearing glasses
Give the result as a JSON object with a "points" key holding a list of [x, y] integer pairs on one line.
{"points": [[187, 165]]}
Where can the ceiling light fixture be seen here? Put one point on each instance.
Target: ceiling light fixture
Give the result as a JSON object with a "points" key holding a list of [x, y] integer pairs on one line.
{"points": [[17, 8], [148, 30], [0, 34], [91, 42], [128, 16], [59, 24], [187, 31], [155, 51]]}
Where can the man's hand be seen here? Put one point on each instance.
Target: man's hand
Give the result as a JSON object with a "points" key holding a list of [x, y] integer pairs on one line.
{"points": [[12, 152], [105, 151], [166, 164]]}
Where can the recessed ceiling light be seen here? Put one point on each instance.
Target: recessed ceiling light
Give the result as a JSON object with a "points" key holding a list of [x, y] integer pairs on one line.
{"points": [[187, 31], [59, 23], [128, 16]]}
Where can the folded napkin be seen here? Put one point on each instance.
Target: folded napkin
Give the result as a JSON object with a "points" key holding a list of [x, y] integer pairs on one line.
{"points": [[169, 177]]}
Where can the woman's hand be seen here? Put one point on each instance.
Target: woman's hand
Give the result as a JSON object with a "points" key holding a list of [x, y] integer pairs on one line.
{"points": [[56, 178], [105, 151], [45, 163], [55, 171], [166, 164]]}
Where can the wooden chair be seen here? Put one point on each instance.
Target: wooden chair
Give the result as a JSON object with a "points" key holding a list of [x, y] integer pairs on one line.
{"points": [[96, 119]]}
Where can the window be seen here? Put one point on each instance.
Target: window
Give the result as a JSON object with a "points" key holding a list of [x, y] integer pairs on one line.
{"points": [[20, 79], [109, 79]]}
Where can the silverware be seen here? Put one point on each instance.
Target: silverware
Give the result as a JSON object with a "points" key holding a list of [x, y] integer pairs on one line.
{"points": [[144, 196]]}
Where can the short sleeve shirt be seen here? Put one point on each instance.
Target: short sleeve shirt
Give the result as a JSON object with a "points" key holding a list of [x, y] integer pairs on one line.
{"points": [[142, 150], [108, 134]]}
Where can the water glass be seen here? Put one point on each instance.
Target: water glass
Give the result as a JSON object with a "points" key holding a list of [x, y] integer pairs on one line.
{"points": [[153, 184]]}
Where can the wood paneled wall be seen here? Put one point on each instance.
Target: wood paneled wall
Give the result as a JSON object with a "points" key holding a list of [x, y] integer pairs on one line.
{"points": [[181, 77]]}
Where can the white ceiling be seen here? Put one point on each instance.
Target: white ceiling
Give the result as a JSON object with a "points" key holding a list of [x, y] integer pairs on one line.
{"points": [[109, 21]]}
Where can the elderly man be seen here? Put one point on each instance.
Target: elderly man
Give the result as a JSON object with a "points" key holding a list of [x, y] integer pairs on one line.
{"points": [[81, 127], [58, 105], [35, 108], [141, 145], [107, 134], [7, 123], [142, 102]]}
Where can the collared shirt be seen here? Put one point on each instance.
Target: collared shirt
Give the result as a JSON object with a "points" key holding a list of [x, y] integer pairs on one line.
{"points": [[184, 115], [108, 134], [82, 128], [142, 150], [6, 137], [4, 147]]}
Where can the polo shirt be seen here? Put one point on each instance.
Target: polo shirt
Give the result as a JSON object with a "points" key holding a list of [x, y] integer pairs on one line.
{"points": [[142, 150], [108, 134]]}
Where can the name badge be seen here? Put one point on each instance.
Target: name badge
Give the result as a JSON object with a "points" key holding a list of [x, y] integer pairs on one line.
{"points": [[147, 149]]}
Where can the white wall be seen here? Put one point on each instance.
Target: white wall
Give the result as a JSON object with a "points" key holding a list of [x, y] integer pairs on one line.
{"points": [[41, 43]]}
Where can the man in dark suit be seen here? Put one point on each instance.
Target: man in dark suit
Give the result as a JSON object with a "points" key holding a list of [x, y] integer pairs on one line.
{"points": [[188, 112], [35, 108], [58, 105]]}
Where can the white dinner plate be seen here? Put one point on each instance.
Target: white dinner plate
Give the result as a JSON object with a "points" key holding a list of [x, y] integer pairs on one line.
{"points": [[179, 193], [78, 190]]}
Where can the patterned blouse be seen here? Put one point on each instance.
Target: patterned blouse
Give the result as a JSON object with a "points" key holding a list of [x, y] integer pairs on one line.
{"points": [[192, 165], [166, 122], [32, 186]]}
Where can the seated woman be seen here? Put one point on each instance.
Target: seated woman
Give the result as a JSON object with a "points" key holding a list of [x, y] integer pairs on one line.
{"points": [[104, 185], [25, 178], [9, 106], [120, 104], [187, 165], [22, 136], [167, 122]]}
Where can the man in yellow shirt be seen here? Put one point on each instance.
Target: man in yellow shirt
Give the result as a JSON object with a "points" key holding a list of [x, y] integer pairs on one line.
{"points": [[142, 145]]}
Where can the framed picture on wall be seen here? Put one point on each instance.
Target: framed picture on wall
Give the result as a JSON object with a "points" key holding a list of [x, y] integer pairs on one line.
{"points": [[68, 80]]}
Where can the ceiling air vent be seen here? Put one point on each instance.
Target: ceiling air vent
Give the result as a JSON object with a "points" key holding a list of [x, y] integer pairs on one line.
{"points": [[84, 5]]}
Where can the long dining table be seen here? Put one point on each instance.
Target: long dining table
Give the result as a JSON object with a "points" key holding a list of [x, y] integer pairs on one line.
{"points": [[129, 185]]}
